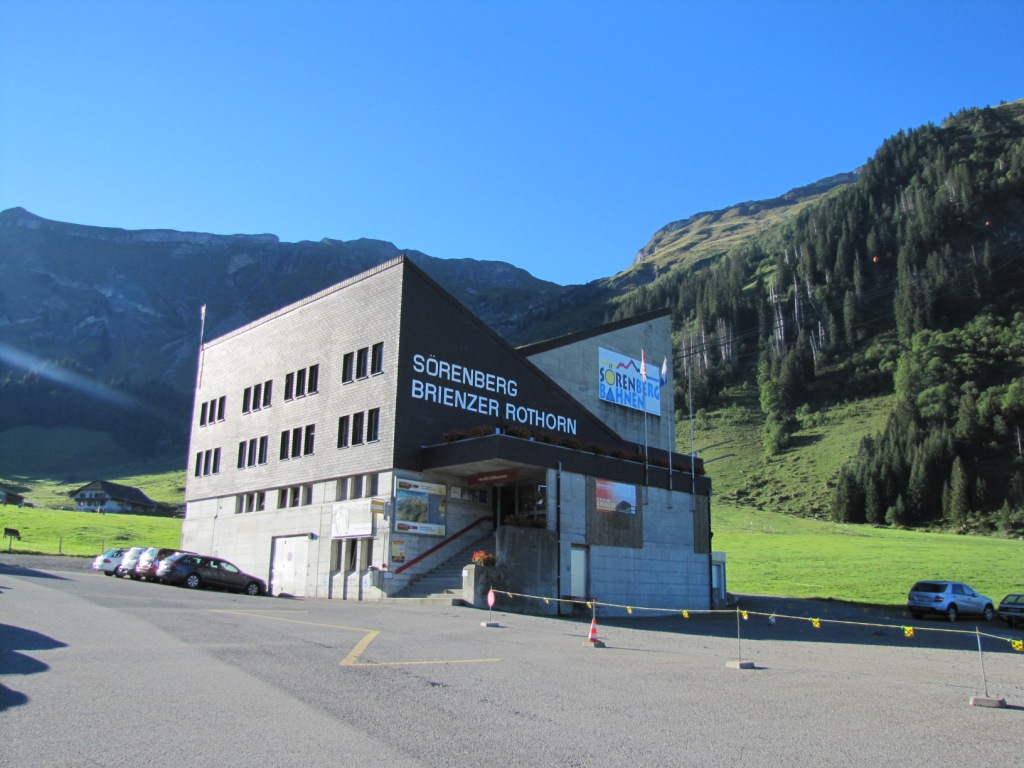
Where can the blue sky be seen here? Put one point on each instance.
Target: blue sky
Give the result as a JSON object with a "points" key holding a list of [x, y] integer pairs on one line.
{"points": [[557, 136]]}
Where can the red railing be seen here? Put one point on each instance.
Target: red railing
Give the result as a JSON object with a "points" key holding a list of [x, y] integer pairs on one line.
{"points": [[449, 540]]}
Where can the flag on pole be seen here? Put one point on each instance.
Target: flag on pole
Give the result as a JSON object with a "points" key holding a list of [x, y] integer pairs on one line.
{"points": [[643, 365], [664, 372]]}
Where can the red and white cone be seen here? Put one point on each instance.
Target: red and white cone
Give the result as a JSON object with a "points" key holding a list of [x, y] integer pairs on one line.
{"points": [[592, 639]]}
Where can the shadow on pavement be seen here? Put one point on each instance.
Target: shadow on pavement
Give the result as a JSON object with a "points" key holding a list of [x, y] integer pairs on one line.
{"points": [[13, 640]]}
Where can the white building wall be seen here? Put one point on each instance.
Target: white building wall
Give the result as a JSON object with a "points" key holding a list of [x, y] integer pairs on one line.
{"points": [[574, 367]]}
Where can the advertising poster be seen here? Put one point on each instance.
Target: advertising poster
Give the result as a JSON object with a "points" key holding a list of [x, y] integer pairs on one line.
{"points": [[397, 551], [615, 497], [621, 382], [420, 507]]}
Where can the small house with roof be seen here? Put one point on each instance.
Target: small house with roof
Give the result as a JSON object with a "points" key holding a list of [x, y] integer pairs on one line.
{"points": [[104, 496]]}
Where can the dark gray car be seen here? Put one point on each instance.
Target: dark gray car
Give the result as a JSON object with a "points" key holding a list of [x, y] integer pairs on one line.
{"points": [[195, 571]]}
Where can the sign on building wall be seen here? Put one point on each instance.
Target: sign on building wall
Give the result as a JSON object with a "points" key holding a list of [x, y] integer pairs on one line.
{"points": [[620, 381], [353, 518], [614, 497], [420, 507]]}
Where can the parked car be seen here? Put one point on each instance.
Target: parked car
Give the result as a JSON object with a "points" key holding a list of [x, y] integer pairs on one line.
{"points": [[128, 562], [948, 598], [149, 562], [195, 571], [1011, 610], [108, 562]]}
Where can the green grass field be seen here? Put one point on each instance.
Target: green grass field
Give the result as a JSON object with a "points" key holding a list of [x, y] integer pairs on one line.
{"points": [[49, 531]]}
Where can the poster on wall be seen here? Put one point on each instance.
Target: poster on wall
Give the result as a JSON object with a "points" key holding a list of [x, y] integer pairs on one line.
{"points": [[397, 551], [420, 507], [615, 497], [620, 381]]}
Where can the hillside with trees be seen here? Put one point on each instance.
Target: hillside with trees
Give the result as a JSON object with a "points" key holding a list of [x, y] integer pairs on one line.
{"points": [[907, 282]]}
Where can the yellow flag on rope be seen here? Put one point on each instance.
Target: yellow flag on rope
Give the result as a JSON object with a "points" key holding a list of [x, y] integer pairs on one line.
{"points": [[908, 631], [816, 623], [629, 609], [744, 615], [589, 604], [1018, 645], [686, 614], [546, 601]]}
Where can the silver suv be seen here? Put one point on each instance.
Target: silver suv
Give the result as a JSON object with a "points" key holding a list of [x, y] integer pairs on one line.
{"points": [[949, 598]]}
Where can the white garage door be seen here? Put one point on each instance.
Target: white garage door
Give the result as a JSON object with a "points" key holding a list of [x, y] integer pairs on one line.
{"points": [[288, 566]]}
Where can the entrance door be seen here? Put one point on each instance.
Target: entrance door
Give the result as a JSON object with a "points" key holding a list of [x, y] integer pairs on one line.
{"points": [[578, 570], [288, 566]]}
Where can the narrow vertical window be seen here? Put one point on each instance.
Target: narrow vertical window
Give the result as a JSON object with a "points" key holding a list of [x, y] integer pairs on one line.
{"points": [[263, 450], [300, 383], [282, 498], [342, 492], [307, 446], [346, 367], [241, 455], [377, 358], [252, 452], [343, 432], [289, 386], [372, 484], [357, 428], [357, 487], [257, 396], [295, 495], [296, 442], [207, 459], [372, 424], [267, 385], [361, 362], [199, 464], [216, 461], [307, 494], [202, 415], [313, 380], [221, 406], [285, 439], [246, 398]]}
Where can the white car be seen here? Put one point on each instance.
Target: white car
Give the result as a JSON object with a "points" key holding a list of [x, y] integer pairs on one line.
{"points": [[109, 561]]}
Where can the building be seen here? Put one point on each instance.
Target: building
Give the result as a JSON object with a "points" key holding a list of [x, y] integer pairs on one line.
{"points": [[104, 496], [352, 441]]}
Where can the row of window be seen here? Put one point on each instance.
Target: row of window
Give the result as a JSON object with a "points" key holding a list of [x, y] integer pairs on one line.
{"points": [[252, 452], [257, 396], [352, 487], [362, 363], [356, 428], [208, 462], [305, 381], [359, 364], [212, 410]]}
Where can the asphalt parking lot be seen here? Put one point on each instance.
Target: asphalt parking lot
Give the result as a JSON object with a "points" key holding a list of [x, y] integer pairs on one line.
{"points": [[89, 663]]}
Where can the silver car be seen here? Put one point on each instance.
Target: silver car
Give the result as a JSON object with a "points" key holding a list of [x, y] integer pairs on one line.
{"points": [[948, 598], [129, 560]]}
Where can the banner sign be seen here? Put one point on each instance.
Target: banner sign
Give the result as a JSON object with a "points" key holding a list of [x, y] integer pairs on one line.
{"points": [[621, 382], [420, 507], [352, 519], [615, 497]]}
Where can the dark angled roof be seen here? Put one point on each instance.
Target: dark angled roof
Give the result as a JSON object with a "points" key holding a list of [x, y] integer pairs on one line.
{"points": [[117, 492]]}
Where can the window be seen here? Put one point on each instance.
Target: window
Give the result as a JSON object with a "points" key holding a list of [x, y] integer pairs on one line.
{"points": [[199, 464], [377, 358], [357, 428], [342, 491], [222, 406], [207, 462], [285, 442], [307, 444], [296, 442], [346, 367], [202, 415], [241, 454], [300, 382], [307, 494], [313, 379], [361, 360], [251, 502], [372, 424], [252, 452], [263, 449], [357, 486], [372, 481], [289, 386], [267, 389], [246, 397], [212, 410], [257, 396], [343, 432]]}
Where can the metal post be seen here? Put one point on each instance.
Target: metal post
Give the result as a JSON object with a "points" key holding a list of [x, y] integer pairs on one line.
{"points": [[981, 656], [739, 645]]}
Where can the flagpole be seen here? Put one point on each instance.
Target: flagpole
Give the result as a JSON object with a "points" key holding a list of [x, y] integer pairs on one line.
{"points": [[202, 331], [643, 377], [662, 381]]}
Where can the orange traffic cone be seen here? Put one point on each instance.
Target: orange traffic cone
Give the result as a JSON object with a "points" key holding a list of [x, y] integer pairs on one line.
{"points": [[592, 640]]}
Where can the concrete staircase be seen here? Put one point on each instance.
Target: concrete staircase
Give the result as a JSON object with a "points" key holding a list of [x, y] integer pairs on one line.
{"points": [[444, 582]]}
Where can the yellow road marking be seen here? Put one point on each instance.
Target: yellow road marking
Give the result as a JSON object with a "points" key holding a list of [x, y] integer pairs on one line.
{"points": [[353, 658]]}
